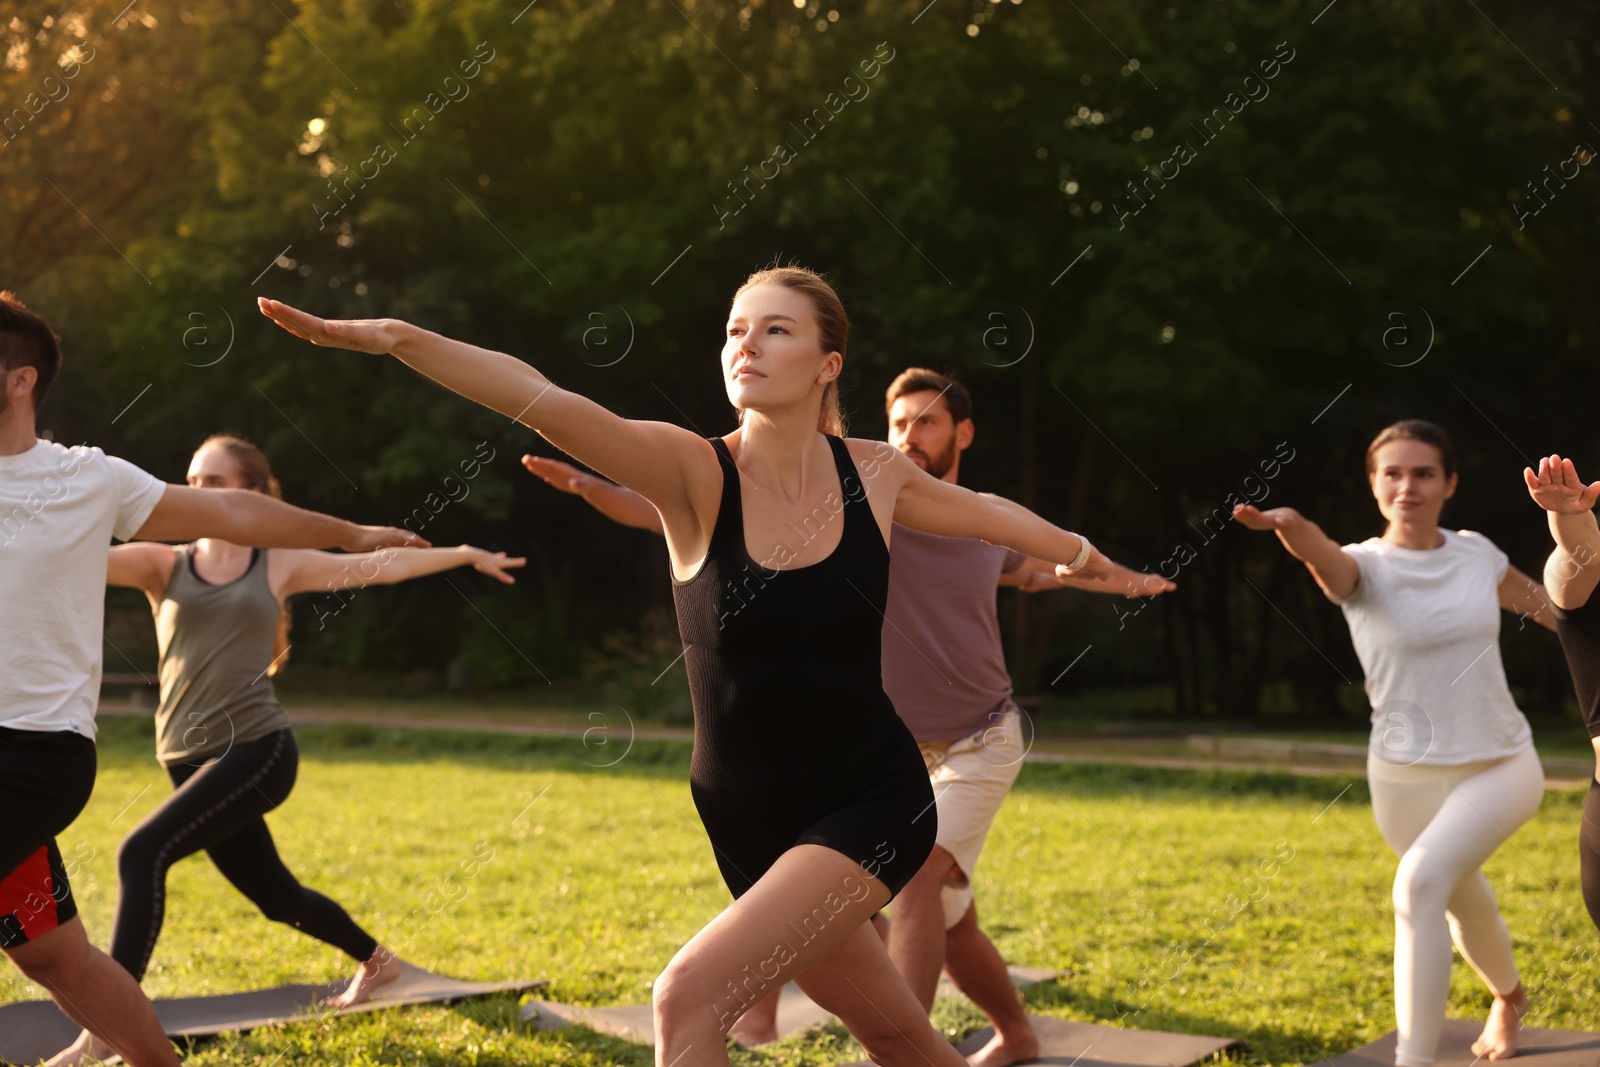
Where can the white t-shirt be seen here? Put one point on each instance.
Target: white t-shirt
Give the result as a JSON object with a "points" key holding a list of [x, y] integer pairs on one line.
{"points": [[1426, 626], [59, 509]]}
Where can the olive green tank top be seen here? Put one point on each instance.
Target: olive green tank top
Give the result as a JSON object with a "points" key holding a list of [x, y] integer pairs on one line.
{"points": [[216, 643]]}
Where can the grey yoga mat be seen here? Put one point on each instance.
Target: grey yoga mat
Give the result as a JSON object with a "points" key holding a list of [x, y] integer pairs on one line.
{"points": [[1535, 1048], [1065, 1042], [34, 1030], [636, 1022]]}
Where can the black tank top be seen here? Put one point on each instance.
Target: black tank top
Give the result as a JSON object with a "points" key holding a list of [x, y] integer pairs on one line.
{"points": [[785, 671]]}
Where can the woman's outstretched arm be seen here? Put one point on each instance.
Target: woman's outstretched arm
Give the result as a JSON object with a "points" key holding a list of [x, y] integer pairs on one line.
{"points": [[1573, 570], [1334, 569], [655, 459], [310, 571]]}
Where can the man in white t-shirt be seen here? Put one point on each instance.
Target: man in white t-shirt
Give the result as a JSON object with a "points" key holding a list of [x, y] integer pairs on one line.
{"points": [[59, 509]]}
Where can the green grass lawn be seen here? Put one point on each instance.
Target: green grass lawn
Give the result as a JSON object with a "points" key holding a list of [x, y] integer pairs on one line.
{"points": [[1250, 905]]}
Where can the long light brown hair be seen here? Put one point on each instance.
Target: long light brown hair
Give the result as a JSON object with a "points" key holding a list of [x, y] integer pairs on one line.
{"points": [[833, 327], [253, 467]]}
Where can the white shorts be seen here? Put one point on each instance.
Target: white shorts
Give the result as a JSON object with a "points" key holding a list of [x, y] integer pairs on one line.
{"points": [[971, 777]]}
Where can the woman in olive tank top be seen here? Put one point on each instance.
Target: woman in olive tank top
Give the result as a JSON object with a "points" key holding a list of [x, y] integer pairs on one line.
{"points": [[221, 735], [812, 791]]}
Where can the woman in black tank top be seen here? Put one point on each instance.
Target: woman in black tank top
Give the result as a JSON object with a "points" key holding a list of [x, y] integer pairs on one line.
{"points": [[812, 791], [826, 760]]}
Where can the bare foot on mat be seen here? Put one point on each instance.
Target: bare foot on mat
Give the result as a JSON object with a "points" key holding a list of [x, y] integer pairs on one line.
{"points": [[1006, 1049], [379, 971], [87, 1049], [1499, 1039]]}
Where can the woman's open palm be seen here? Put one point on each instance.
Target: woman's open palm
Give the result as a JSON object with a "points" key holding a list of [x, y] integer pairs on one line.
{"points": [[377, 336], [1254, 518]]}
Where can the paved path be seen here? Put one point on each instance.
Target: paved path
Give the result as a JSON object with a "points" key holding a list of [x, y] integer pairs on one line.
{"points": [[1171, 752]]}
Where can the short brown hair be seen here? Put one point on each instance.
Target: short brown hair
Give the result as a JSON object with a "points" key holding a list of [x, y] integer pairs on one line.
{"points": [[833, 327], [26, 340], [1428, 433], [920, 379]]}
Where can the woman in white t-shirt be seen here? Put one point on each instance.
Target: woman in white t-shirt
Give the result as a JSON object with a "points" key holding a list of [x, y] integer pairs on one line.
{"points": [[1451, 764]]}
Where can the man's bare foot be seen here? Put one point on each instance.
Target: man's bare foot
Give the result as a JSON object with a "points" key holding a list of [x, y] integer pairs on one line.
{"points": [[1006, 1049], [379, 971], [87, 1049], [1499, 1039]]}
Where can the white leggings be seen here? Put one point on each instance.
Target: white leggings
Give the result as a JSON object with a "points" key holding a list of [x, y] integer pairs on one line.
{"points": [[1444, 822]]}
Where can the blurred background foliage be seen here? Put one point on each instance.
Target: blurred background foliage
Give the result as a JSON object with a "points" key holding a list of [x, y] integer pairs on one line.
{"points": [[584, 184]]}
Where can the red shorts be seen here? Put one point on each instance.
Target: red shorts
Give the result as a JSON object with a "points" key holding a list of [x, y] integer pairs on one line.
{"points": [[35, 898]]}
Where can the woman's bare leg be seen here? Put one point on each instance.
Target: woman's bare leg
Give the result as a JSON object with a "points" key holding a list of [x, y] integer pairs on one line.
{"points": [[759, 1025], [858, 982], [813, 901]]}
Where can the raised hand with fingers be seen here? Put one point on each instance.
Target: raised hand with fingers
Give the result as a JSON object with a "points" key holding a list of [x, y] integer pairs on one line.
{"points": [[1557, 487]]}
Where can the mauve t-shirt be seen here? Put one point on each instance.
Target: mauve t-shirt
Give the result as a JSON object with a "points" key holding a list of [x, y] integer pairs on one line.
{"points": [[943, 665]]}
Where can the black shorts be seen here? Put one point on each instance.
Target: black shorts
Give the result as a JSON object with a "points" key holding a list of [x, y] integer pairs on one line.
{"points": [[35, 898], [879, 813], [45, 781]]}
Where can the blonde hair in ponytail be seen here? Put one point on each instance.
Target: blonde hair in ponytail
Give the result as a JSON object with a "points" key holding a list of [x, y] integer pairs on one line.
{"points": [[257, 474], [833, 327]]}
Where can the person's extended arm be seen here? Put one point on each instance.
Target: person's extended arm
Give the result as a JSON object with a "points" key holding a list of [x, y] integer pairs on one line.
{"points": [[1334, 569], [1573, 569], [1527, 598], [655, 459], [1038, 576], [616, 503], [316, 571], [142, 565], [246, 517], [926, 503]]}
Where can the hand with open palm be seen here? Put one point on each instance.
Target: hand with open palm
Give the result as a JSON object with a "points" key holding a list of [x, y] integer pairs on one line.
{"points": [[377, 336], [1557, 487]]}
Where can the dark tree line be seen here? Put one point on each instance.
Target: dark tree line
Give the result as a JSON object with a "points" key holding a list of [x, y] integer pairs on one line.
{"points": [[1164, 244]]}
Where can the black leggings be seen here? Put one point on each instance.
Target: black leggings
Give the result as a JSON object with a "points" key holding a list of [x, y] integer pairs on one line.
{"points": [[218, 807], [1589, 852]]}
